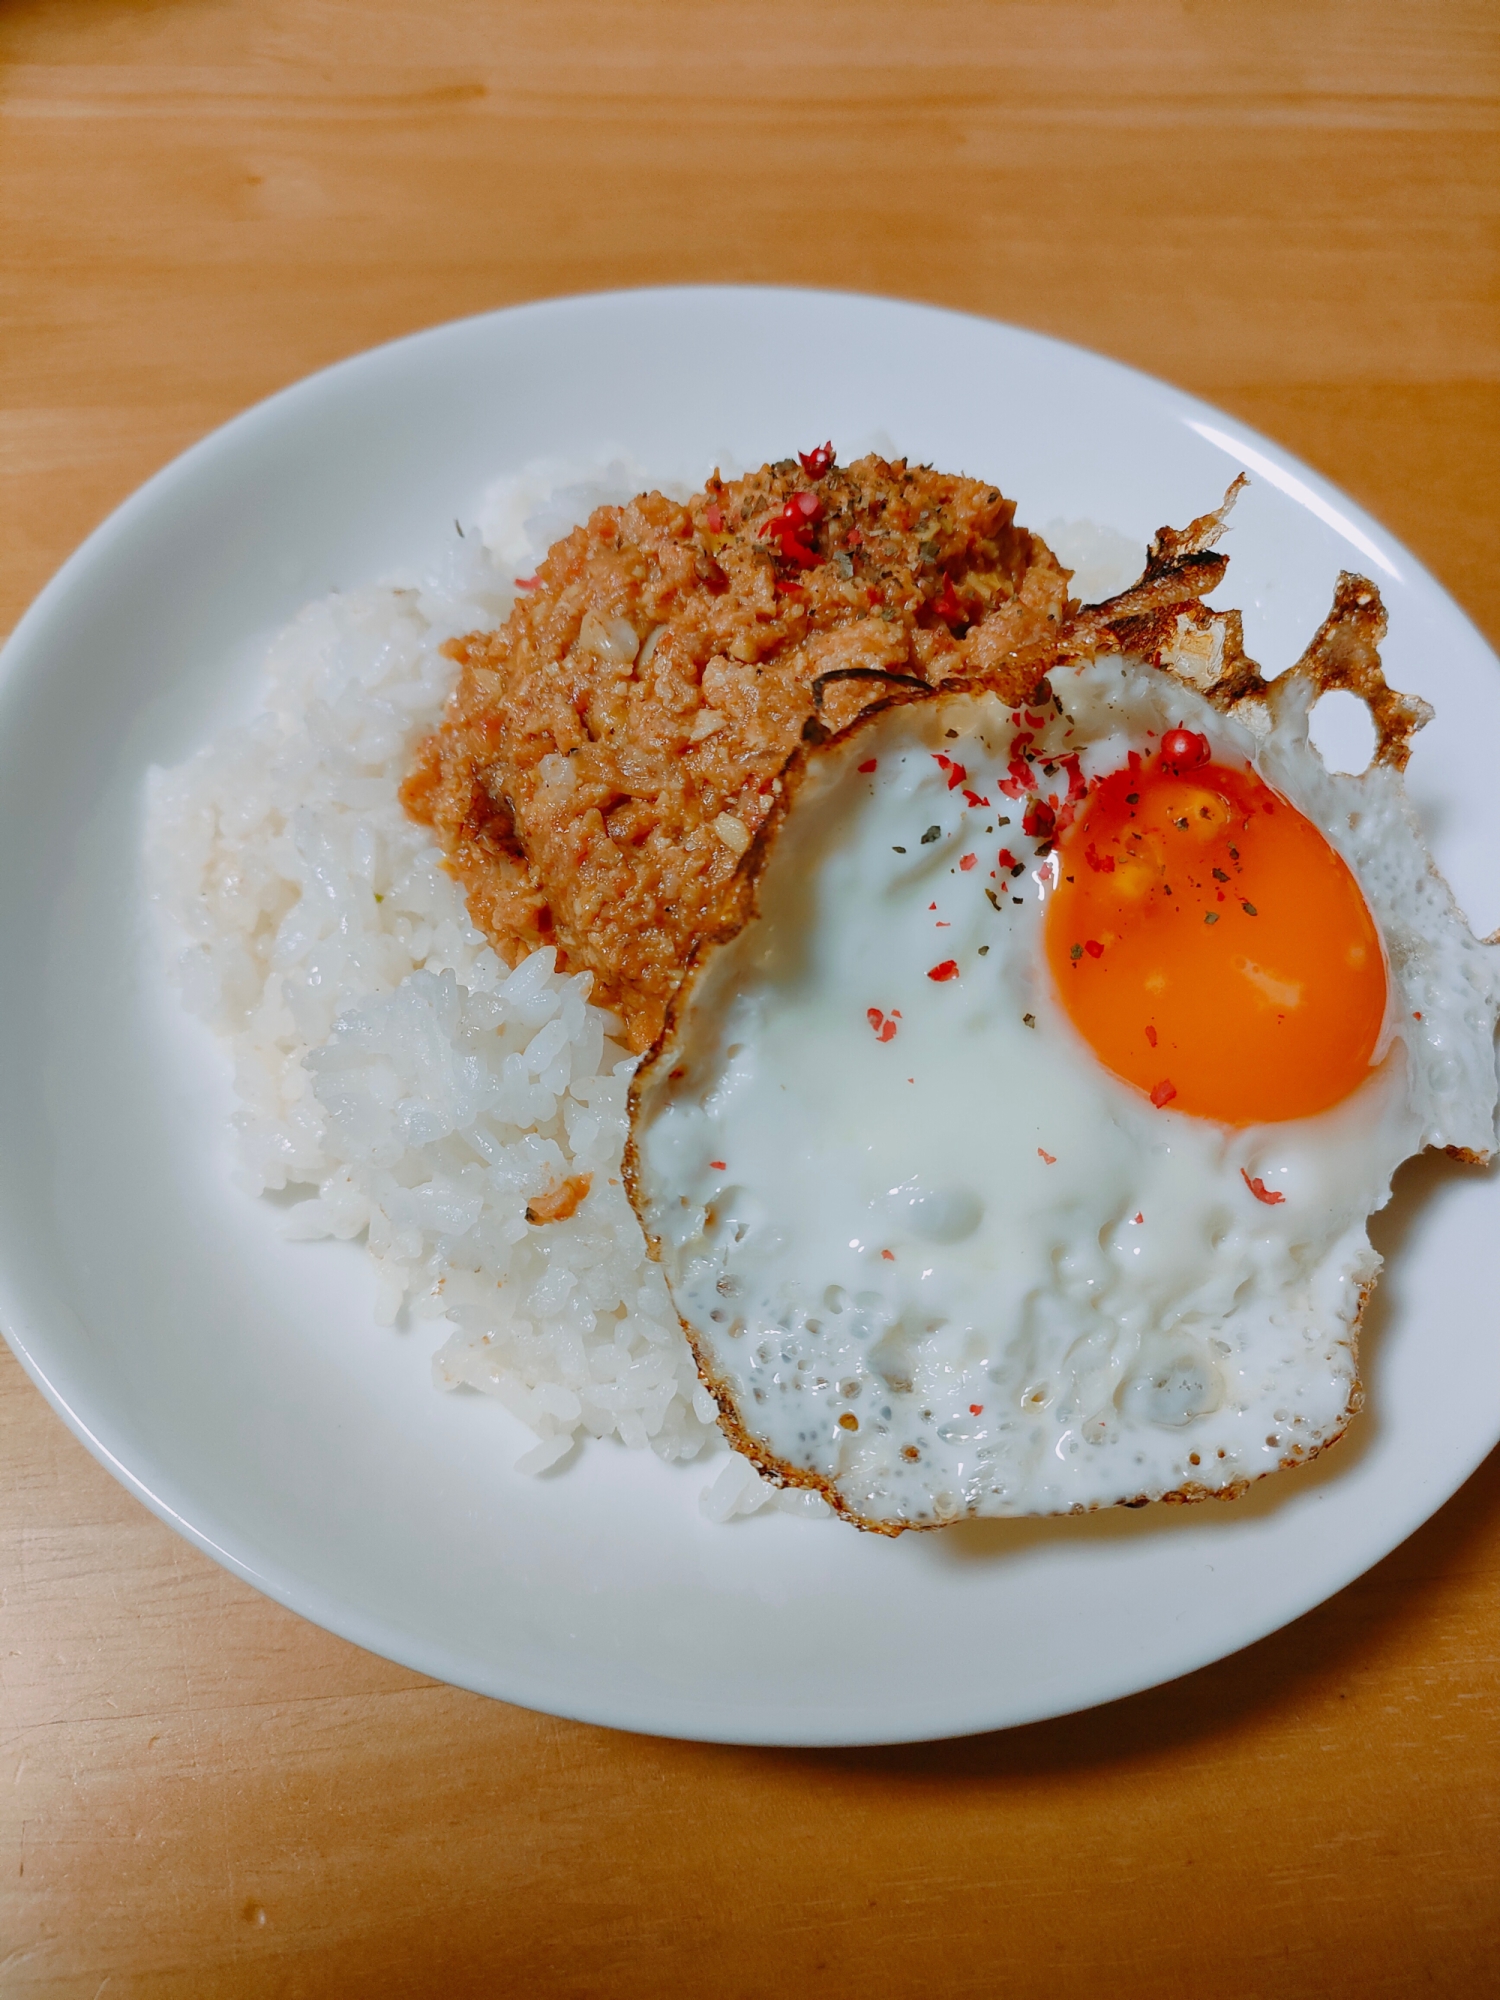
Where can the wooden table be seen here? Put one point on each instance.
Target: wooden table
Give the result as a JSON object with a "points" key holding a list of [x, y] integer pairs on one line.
{"points": [[1290, 208]]}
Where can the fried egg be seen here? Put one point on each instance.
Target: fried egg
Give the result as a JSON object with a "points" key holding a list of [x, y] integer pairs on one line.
{"points": [[1015, 1156]]}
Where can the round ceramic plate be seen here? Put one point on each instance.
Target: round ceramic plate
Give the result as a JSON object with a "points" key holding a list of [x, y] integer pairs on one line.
{"points": [[238, 1384]]}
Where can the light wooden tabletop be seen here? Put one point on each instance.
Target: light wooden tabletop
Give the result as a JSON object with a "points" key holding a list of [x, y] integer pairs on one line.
{"points": [[1289, 206]]}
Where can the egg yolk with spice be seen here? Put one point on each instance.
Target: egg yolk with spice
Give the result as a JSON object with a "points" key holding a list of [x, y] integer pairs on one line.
{"points": [[1210, 945]]}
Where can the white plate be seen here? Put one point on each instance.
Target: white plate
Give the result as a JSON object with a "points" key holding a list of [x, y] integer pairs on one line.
{"points": [[237, 1382]]}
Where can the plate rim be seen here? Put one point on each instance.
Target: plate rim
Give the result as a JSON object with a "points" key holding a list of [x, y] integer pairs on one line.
{"points": [[343, 1615]]}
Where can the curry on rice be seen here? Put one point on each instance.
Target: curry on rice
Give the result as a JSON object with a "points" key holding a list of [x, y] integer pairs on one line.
{"points": [[610, 753]]}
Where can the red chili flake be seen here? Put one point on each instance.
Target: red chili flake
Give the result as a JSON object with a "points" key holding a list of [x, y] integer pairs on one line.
{"points": [[795, 551], [1139, 1217], [1050, 1158], [1183, 750], [854, 539], [792, 528], [719, 1166], [528, 583], [948, 605], [1007, 859], [1038, 820], [1416, 1017], [1151, 1036], [885, 1030], [875, 594], [1036, 721], [976, 1409], [890, 1255], [932, 906], [1259, 1189], [956, 772], [713, 515], [1102, 864], [1093, 947], [787, 588], [968, 861], [1164, 1092], [817, 461], [947, 970], [868, 765], [1077, 783]]}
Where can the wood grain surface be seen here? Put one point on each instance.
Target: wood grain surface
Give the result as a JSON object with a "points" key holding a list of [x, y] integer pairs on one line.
{"points": [[1288, 207]]}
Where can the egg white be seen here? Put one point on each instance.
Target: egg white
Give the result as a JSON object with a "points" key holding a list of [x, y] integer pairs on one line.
{"points": [[964, 1270]]}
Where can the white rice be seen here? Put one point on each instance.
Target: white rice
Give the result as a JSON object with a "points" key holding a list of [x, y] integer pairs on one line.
{"points": [[384, 1057]]}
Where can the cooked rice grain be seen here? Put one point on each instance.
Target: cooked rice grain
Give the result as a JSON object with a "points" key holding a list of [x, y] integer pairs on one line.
{"points": [[384, 1057]]}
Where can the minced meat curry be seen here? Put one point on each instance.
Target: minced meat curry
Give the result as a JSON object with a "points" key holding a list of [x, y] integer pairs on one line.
{"points": [[609, 754]]}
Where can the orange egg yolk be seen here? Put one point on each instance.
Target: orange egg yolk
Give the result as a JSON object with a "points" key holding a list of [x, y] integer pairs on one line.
{"points": [[1211, 946]]}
